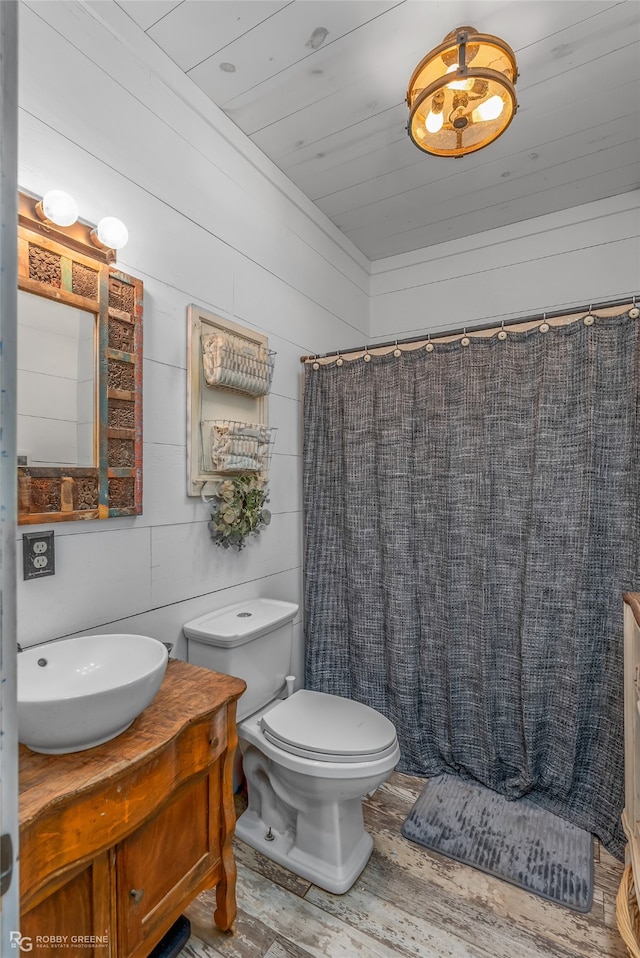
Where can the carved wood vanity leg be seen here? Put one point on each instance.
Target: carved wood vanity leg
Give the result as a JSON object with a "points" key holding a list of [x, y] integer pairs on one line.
{"points": [[226, 909]]}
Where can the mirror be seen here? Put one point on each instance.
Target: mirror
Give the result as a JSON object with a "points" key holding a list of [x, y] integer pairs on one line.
{"points": [[79, 376], [57, 379]]}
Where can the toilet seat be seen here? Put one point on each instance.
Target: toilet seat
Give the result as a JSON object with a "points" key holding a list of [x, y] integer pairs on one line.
{"points": [[329, 728]]}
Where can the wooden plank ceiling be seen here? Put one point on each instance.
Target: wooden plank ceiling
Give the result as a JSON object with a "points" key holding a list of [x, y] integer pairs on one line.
{"points": [[319, 87]]}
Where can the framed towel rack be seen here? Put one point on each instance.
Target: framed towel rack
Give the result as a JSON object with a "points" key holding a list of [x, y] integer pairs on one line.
{"points": [[229, 372]]}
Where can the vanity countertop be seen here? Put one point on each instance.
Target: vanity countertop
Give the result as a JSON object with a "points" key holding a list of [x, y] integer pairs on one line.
{"points": [[187, 692]]}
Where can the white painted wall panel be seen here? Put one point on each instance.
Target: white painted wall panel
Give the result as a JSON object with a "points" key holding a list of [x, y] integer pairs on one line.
{"points": [[224, 186], [286, 374], [186, 564], [166, 623], [100, 576], [164, 417], [207, 226], [286, 414], [165, 475], [579, 256], [224, 229], [285, 476]]}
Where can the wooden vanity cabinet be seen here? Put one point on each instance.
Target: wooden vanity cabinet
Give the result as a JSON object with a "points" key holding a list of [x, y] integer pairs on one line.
{"points": [[153, 881], [117, 840], [82, 904]]}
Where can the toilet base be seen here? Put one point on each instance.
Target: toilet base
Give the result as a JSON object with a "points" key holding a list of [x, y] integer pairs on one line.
{"points": [[336, 879]]}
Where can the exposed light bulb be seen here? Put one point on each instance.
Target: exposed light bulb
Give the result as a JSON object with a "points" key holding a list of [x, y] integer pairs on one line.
{"points": [[59, 208], [489, 110], [112, 232], [458, 84], [434, 122]]}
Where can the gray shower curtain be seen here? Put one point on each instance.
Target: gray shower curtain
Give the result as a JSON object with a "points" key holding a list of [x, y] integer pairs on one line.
{"points": [[471, 522]]}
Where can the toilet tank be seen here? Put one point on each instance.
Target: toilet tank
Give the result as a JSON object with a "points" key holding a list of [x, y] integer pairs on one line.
{"points": [[251, 640]]}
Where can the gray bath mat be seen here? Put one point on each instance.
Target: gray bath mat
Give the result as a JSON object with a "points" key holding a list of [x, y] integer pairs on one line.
{"points": [[516, 841]]}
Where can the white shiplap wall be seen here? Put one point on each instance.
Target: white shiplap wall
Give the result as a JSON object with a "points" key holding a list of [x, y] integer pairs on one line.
{"points": [[213, 222], [584, 255], [208, 224]]}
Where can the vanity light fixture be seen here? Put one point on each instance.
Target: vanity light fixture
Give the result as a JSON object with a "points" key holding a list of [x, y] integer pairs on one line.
{"points": [[57, 207], [110, 233], [462, 96]]}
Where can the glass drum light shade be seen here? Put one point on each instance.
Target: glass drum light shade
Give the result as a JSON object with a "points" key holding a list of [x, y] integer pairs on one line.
{"points": [[462, 95]]}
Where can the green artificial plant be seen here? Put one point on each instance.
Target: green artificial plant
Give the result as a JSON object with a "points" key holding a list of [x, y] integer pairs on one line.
{"points": [[238, 511]]}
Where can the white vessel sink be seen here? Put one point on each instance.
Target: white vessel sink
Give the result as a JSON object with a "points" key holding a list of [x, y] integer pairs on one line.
{"points": [[78, 693]]}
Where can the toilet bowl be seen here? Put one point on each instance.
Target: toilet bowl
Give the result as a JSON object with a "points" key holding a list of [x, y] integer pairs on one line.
{"points": [[305, 790], [309, 758]]}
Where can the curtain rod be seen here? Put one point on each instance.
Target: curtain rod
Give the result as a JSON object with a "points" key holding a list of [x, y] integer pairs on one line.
{"points": [[442, 334]]}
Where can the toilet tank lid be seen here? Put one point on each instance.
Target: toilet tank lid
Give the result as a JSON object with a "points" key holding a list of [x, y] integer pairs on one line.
{"points": [[240, 623]]}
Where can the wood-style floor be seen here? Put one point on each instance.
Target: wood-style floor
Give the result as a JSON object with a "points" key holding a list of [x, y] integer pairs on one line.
{"points": [[408, 902]]}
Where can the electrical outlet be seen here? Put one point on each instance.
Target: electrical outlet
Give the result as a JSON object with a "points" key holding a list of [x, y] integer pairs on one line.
{"points": [[38, 556]]}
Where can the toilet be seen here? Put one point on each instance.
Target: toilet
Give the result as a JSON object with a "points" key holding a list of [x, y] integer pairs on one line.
{"points": [[309, 758]]}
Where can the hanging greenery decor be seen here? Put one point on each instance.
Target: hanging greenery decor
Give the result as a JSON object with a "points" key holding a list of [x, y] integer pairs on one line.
{"points": [[238, 511]]}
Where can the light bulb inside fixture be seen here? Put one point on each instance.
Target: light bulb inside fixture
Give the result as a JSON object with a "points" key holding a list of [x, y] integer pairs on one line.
{"points": [[434, 122], [59, 208], [458, 84], [489, 110], [112, 232]]}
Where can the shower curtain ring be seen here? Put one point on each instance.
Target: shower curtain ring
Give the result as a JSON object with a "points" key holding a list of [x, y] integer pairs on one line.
{"points": [[502, 335], [366, 357], [465, 339], [339, 360], [634, 312], [544, 327], [589, 319], [397, 352], [429, 346]]}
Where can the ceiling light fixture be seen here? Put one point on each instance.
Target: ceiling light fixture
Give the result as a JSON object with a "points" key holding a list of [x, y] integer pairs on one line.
{"points": [[462, 96]]}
